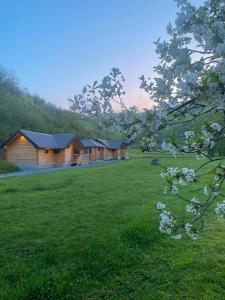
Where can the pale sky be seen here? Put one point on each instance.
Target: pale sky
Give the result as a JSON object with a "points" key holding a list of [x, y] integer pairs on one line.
{"points": [[56, 46]]}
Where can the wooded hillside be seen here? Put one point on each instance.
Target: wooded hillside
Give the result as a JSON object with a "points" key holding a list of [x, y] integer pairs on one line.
{"points": [[20, 110]]}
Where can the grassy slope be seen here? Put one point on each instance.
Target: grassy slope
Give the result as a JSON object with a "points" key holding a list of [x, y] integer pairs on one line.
{"points": [[6, 167], [93, 233]]}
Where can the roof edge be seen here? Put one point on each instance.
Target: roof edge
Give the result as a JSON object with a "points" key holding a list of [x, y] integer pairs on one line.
{"points": [[13, 135]]}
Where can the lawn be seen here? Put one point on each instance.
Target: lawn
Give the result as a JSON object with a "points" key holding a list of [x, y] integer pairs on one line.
{"points": [[92, 233], [6, 167]]}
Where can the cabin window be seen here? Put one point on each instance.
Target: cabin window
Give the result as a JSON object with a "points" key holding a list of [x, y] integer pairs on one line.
{"points": [[46, 151], [56, 151]]}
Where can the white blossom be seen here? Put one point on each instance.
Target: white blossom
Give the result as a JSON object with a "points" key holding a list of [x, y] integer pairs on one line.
{"points": [[189, 174], [169, 147], [167, 222], [220, 210], [177, 237], [170, 172], [194, 206], [160, 206], [193, 234], [174, 189], [189, 134], [178, 176], [216, 127], [185, 148]]}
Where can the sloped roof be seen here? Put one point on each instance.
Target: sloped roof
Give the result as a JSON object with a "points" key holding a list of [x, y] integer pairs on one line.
{"points": [[44, 140], [111, 144], [88, 143], [63, 140]]}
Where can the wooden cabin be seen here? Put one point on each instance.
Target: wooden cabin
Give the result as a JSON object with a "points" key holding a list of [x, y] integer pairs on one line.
{"points": [[114, 149], [91, 150], [29, 149]]}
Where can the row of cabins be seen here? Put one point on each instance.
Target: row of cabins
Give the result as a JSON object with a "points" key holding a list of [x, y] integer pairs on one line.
{"points": [[34, 149]]}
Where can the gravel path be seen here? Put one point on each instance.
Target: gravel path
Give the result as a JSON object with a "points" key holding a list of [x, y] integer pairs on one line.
{"points": [[47, 170]]}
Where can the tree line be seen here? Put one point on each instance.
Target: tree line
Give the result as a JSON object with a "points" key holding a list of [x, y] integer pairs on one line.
{"points": [[21, 110]]}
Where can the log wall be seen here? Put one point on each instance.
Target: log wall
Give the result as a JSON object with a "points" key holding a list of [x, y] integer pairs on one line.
{"points": [[20, 150], [49, 156]]}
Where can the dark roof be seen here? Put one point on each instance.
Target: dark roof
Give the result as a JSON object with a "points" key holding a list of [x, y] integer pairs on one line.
{"points": [[63, 140], [111, 144], [44, 140], [91, 144]]}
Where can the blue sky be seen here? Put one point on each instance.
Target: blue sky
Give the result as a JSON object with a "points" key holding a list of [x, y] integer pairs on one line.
{"points": [[55, 47]]}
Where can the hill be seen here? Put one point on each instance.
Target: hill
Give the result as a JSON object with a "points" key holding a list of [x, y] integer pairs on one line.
{"points": [[20, 110]]}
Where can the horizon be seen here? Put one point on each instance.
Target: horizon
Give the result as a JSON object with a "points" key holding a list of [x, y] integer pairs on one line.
{"points": [[57, 48]]}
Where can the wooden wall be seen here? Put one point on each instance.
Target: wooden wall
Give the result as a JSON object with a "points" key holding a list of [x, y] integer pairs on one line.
{"points": [[20, 150], [108, 154], [122, 151], [68, 154], [51, 156], [114, 154]]}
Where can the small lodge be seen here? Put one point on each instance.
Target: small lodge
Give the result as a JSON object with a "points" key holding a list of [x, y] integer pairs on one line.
{"points": [[29, 149], [92, 150], [114, 149]]}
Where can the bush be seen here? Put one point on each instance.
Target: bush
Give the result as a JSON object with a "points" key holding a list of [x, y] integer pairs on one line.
{"points": [[6, 167]]}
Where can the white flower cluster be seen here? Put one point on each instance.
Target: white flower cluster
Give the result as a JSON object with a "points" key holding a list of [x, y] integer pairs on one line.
{"points": [[216, 127], [160, 206], [189, 134], [180, 176], [167, 222], [194, 206], [191, 142], [199, 143], [170, 148], [148, 143], [220, 210], [176, 176], [189, 174], [170, 172], [207, 138], [191, 232]]}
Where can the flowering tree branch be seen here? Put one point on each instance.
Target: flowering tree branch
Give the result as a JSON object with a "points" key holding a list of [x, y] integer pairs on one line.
{"points": [[189, 84]]}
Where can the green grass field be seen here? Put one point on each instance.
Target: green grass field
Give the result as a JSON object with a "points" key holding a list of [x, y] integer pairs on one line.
{"points": [[92, 233], [6, 167]]}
